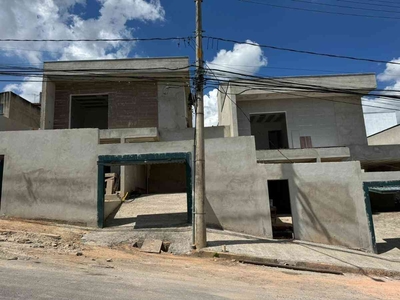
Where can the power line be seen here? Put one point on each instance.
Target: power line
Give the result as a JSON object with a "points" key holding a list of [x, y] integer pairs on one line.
{"points": [[371, 4], [99, 40], [280, 68], [250, 123], [317, 10], [345, 6], [303, 51], [383, 1], [289, 81]]}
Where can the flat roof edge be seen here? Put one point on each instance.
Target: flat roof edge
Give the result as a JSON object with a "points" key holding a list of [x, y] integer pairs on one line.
{"points": [[117, 59]]}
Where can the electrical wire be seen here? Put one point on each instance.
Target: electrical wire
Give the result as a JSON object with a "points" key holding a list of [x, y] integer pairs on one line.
{"points": [[371, 4], [99, 40], [303, 51], [345, 6], [317, 10]]}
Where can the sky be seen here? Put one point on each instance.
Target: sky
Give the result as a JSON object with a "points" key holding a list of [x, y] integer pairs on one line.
{"points": [[288, 26]]}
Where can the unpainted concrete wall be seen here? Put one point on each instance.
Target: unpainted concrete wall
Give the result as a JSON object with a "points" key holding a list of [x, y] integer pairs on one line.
{"points": [[383, 153], [133, 177], [329, 123], [236, 195], [390, 136], [172, 107], [304, 117], [227, 113], [380, 176], [50, 174], [188, 133], [57, 179], [7, 124], [327, 202], [22, 114]]}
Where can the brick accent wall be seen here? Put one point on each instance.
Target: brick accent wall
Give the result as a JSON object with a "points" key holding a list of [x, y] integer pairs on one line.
{"points": [[130, 104]]}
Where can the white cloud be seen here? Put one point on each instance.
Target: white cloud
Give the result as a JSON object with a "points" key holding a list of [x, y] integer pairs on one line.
{"points": [[392, 72], [53, 19], [381, 113], [211, 108], [244, 59]]}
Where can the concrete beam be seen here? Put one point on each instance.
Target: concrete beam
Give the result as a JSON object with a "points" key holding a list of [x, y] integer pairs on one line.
{"points": [[303, 155]]}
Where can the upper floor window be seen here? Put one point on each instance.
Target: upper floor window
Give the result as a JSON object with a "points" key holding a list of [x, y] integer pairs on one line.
{"points": [[269, 130], [89, 111]]}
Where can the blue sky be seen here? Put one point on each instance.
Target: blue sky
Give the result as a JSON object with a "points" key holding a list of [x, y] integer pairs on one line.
{"points": [[233, 19]]}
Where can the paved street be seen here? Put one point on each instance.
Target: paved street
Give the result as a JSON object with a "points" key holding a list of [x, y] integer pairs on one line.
{"points": [[50, 261], [167, 277]]}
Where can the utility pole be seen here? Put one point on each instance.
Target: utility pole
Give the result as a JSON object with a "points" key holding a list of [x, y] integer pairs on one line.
{"points": [[200, 185]]}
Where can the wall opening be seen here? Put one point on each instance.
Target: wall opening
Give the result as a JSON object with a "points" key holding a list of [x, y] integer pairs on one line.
{"points": [[89, 111], [1, 175], [281, 212], [146, 194], [269, 130], [383, 207]]}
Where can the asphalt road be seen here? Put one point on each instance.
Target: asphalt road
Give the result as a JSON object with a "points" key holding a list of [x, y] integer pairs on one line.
{"points": [[150, 279]]}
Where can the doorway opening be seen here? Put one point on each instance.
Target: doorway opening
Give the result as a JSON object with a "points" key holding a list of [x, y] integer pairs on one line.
{"points": [[1, 175], [269, 130], [383, 207], [89, 111], [151, 191], [281, 213]]}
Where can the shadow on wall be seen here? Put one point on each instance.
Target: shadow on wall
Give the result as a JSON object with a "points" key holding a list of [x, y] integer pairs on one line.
{"points": [[211, 217], [324, 211]]}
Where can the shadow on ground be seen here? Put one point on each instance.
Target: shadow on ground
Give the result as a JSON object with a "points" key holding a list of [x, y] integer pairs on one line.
{"points": [[389, 245], [151, 221]]}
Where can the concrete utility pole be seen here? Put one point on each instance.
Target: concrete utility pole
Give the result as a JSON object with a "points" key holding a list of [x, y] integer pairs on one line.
{"points": [[200, 184]]}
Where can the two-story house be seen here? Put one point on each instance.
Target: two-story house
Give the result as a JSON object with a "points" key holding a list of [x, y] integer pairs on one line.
{"points": [[292, 151]]}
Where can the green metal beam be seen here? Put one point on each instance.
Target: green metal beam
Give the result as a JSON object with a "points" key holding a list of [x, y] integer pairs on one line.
{"points": [[367, 186]]}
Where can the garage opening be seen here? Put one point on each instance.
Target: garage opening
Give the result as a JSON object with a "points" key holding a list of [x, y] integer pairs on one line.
{"points": [[147, 194], [1, 175], [89, 111], [384, 201], [281, 213], [269, 130]]}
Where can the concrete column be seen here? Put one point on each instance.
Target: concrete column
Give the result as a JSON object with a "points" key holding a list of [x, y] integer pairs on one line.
{"points": [[47, 105]]}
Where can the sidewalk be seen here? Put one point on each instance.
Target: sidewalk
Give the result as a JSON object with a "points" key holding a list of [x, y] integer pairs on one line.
{"points": [[298, 253]]}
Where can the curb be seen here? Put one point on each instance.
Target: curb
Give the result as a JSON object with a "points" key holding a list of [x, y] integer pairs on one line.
{"points": [[299, 265]]}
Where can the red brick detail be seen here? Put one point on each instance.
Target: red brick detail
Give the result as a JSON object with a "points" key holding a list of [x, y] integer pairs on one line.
{"points": [[130, 104]]}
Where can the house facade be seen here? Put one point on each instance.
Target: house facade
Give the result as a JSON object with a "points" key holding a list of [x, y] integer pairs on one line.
{"points": [[17, 113], [273, 152]]}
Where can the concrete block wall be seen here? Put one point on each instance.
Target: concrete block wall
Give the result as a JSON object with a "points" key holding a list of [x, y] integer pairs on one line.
{"points": [[131, 104]]}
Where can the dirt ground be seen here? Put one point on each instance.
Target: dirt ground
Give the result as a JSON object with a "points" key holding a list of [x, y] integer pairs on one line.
{"points": [[61, 245], [387, 233], [152, 211]]}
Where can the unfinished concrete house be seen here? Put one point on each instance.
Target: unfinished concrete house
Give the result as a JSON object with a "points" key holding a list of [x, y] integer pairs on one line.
{"points": [[323, 178], [17, 113], [279, 165]]}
